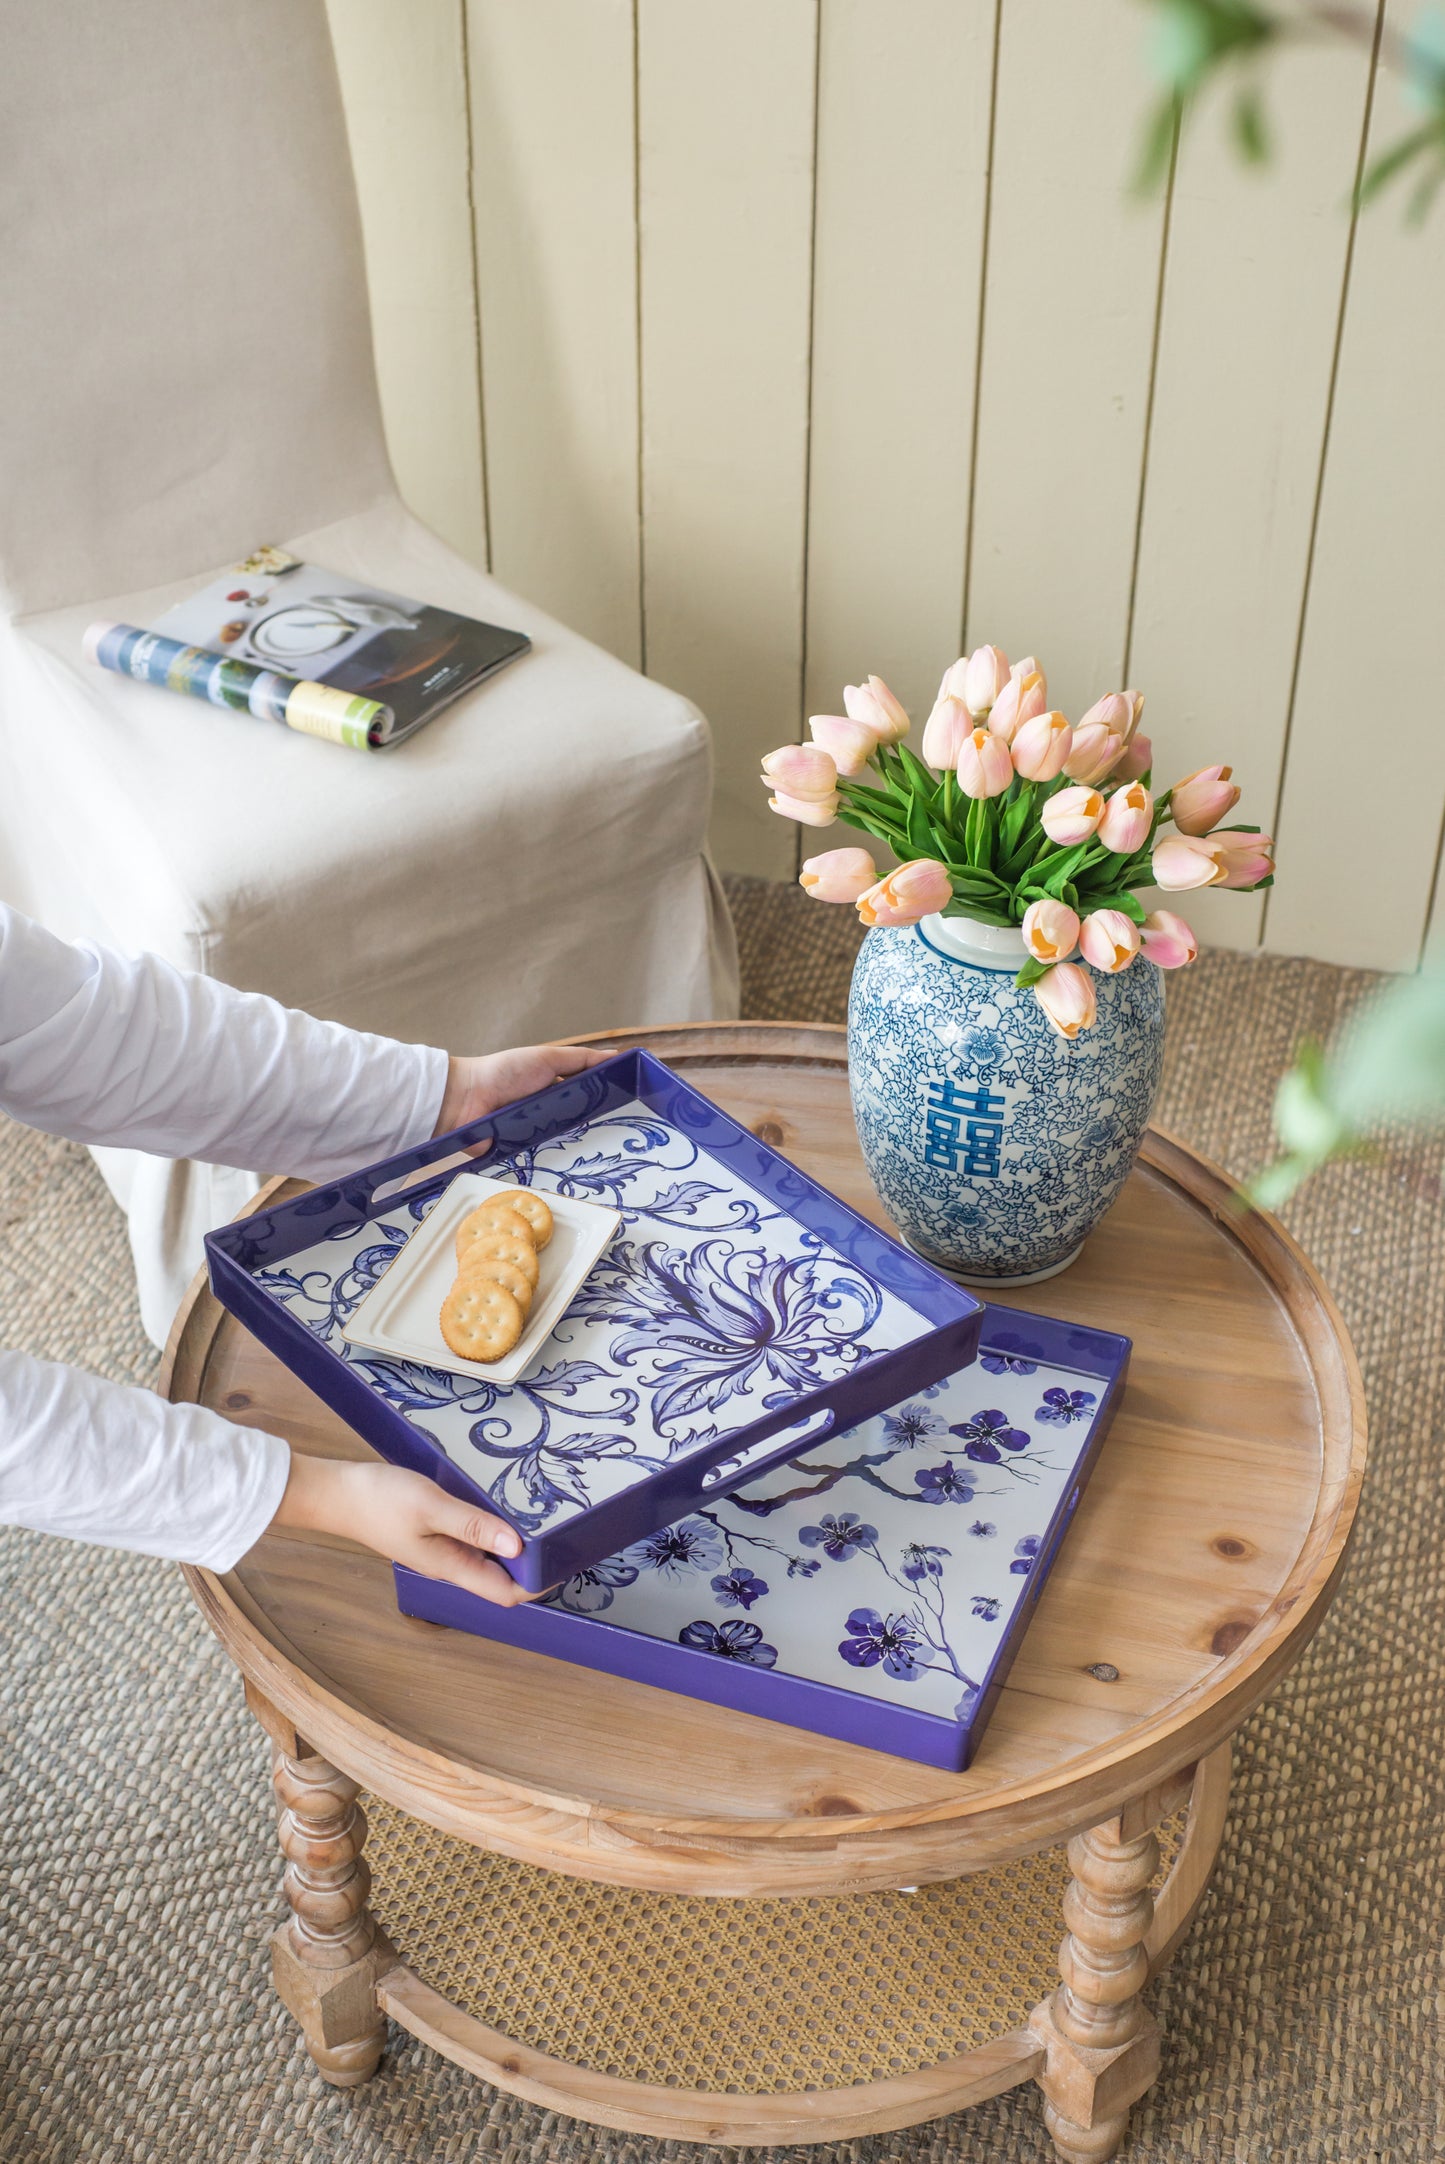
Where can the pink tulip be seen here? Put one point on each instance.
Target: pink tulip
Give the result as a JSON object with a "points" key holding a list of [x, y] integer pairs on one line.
{"points": [[955, 680], [1051, 931], [1095, 754], [1137, 759], [1136, 708], [945, 731], [1115, 711], [1247, 858], [803, 771], [875, 704], [849, 744], [915, 890], [984, 678], [1167, 940], [1072, 815], [839, 875], [1020, 700], [1128, 816], [1066, 995], [1109, 940], [1030, 666], [1041, 747], [1187, 860], [1201, 800], [808, 811], [984, 766]]}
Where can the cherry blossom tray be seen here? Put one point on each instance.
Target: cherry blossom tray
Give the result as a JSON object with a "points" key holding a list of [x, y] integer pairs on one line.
{"points": [[739, 1311], [875, 1588]]}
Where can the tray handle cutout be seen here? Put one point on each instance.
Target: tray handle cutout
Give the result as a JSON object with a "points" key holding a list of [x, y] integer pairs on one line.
{"points": [[798, 1435]]}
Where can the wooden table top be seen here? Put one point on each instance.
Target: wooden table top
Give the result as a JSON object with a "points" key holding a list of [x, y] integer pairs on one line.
{"points": [[1202, 1557]]}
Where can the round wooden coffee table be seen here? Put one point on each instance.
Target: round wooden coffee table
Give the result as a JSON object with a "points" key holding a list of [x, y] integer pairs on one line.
{"points": [[670, 1981]]}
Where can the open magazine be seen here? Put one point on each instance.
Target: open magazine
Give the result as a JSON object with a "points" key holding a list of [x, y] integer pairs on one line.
{"points": [[291, 642]]}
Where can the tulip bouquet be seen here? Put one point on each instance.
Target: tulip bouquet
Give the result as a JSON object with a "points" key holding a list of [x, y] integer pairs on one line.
{"points": [[1015, 816]]}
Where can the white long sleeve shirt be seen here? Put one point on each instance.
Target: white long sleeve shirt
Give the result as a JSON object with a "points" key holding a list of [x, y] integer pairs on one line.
{"points": [[103, 1048]]}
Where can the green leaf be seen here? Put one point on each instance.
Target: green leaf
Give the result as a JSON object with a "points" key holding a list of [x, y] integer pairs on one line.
{"points": [[1031, 973], [919, 778], [1395, 159], [1120, 899], [979, 914], [1250, 133]]}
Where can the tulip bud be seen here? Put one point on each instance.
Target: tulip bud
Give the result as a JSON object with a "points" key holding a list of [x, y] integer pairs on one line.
{"points": [[1066, 995], [875, 704], [1109, 940], [808, 811], [984, 766], [1201, 800], [1041, 747], [955, 680], [1029, 666], [1187, 860], [1247, 858], [804, 771], [983, 679], [1020, 700], [1072, 815], [1095, 755], [1136, 708], [1136, 760], [1167, 940], [839, 875], [944, 732], [917, 889], [1128, 816], [849, 744], [1051, 931]]}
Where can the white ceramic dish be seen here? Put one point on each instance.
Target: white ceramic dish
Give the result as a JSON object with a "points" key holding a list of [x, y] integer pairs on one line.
{"points": [[401, 1313]]}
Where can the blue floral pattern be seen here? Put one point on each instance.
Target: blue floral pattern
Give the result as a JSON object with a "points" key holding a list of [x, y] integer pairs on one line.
{"points": [[996, 1145], [710, 1309], [835, 1568]]}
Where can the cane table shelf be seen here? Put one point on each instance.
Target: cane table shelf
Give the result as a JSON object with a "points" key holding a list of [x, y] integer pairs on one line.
{"points": [[589, 1892]]}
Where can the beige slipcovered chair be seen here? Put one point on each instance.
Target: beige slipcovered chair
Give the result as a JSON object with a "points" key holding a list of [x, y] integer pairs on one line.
{"points": [[185, 352]]}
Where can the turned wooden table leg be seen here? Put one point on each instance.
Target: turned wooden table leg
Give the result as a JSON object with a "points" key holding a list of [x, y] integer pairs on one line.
{"points": [[1101, 2041], [326, 1957]]}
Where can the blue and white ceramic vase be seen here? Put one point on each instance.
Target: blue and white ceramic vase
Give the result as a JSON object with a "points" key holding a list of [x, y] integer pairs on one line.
{"points": [[996, 1144]]}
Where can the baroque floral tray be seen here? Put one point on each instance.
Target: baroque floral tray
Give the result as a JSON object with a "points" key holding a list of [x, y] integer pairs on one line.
{"points": [[875, 1588], [740, 1309]]}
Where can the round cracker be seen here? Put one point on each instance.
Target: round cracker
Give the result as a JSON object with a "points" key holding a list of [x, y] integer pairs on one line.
{"points": [[492, 1217], [528, 1204], [503, 1247], [480, 1320], [503, 1273]]}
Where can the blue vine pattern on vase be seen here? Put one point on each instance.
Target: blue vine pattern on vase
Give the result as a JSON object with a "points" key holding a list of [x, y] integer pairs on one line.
{"points": [[995, 1144], [711, 1308], [835, 1568]]}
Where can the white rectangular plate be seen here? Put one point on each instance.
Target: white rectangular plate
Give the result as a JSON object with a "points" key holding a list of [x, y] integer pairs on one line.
{"points": [[401, 1313]]}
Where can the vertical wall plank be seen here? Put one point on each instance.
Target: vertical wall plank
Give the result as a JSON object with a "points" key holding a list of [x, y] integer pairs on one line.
{"points": [[903, 111], [404, 85], [553, 187], [726, 110], [1360, 815], [1251, 307], [1068, 334]]}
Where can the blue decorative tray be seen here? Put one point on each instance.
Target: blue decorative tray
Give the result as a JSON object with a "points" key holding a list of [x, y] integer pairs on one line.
{"points": [[740, 1311], [875, 1589]]}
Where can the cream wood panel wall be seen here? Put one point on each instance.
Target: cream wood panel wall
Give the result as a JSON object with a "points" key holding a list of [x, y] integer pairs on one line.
{"points": [[771, 341]]}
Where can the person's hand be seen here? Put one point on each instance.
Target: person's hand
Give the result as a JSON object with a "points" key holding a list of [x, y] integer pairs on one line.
{"points": [[404, 1517], [478, 1085]]}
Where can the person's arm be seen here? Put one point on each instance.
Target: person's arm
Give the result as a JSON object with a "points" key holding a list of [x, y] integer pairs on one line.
{"points": [[109, 1048], [104, 1462]]}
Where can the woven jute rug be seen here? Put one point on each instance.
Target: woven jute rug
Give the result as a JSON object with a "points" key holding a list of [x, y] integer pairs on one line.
{"points": [[138, 1875]]}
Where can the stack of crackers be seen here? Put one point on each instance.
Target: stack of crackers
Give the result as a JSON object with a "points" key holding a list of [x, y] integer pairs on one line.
{"points": [[485, 1312]]}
